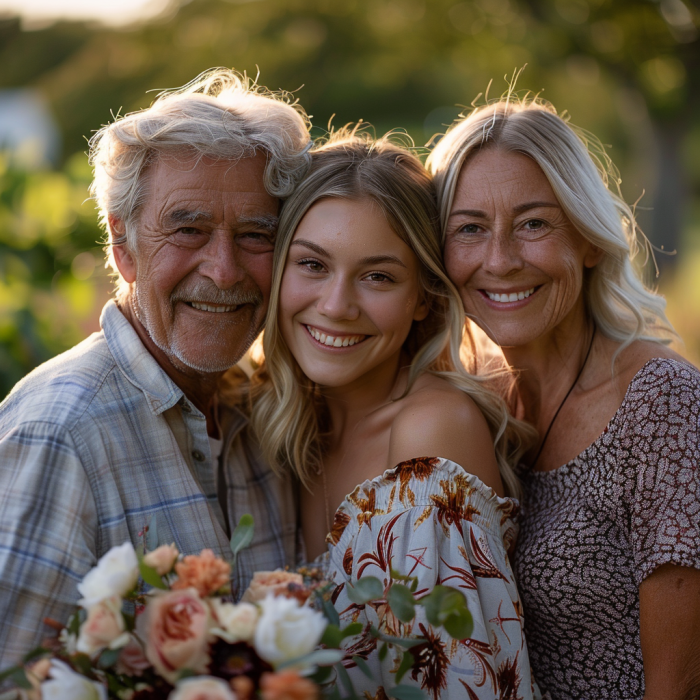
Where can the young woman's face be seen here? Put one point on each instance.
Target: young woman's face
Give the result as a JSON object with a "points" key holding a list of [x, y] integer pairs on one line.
{"points": [[350, 292], [510, 249]]}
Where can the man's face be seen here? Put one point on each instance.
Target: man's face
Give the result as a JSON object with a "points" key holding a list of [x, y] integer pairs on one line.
{"points": [[202, 262]]}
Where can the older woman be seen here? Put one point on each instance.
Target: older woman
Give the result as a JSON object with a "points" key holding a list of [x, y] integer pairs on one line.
{"points": [[608, 560]]}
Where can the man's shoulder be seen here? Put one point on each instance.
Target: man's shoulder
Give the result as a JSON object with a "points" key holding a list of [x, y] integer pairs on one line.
{"points": [[60, 390]]}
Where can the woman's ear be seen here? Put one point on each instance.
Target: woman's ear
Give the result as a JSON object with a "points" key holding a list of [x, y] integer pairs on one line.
{"points": [[593, 256], [122, 256], [421, 309]]}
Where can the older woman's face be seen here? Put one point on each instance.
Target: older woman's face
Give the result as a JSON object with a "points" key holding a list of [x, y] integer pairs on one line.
{"points": [[511, 251]]}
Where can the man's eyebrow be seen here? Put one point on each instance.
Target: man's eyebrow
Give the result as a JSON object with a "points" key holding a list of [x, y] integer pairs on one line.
{"points": [[264, 221], [187, 216]]}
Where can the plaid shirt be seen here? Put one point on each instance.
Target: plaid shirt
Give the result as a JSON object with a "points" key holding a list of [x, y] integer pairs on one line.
{"points": [[93, 444]]}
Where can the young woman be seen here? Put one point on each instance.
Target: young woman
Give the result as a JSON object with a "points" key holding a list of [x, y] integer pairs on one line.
{"points": [[363, 393]]}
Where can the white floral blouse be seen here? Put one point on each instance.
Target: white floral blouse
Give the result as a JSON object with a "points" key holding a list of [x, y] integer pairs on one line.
{"points": [[428, 518]]}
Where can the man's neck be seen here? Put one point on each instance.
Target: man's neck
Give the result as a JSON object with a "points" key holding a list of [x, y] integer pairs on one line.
{"points": [[199, 387]]}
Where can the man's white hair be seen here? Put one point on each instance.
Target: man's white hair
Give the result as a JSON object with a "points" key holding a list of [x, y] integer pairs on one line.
{"points": [[222, 115]]}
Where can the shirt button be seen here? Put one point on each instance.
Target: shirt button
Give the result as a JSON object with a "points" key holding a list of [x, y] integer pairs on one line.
{"points": [[198, 455]]}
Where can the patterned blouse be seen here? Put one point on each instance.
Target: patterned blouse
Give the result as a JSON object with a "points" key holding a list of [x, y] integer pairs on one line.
{"points": [[593, 529], [428, 518]]}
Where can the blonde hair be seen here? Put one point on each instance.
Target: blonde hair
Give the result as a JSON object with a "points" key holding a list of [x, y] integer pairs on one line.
{"points": [[221, 115], [288, 412], [581, 174]]}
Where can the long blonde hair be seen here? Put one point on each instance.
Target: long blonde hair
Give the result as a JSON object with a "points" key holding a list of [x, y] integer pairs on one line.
{"points": [[581, 175], [288, 412]]}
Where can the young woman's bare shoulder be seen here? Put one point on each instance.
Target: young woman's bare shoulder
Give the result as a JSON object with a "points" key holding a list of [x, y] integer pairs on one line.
{"points": [[438, 420]]}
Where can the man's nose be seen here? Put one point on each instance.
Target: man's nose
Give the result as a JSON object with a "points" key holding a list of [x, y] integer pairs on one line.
{"points": [[221, 261], [337, 300], [503, 254]]}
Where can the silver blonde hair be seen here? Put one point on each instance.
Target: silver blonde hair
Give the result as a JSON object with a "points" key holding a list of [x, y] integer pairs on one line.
{"points": [[581, 175], [221, 115], [288, 411]]}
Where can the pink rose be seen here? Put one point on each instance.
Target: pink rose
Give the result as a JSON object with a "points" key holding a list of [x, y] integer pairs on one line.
{"points": [[278, 583], [162, 559], [202, 688], [104, 626], [132, 661], [175, 629]]}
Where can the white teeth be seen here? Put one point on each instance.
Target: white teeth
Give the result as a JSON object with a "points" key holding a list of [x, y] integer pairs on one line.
{"points": [[334, 341], [507, 298], [213, 309]]}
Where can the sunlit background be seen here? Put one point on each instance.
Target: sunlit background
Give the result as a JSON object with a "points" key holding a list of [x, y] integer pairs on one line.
{"points": [[627, 70]]}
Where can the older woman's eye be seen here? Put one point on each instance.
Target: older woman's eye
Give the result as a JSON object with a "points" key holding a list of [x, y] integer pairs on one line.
{"points": [[534, 224], [469, 229]]}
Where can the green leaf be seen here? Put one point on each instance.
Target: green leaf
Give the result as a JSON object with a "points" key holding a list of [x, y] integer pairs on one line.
{"points": [[383, 650], [319, 657], [332, 637], [243, 534], [364, 590], [152, 533], [405, 665], [401, 602], [19, 678], [346, 681], [108, 658], [35, 653], [406, 692], [459, 625], [8, 672], [363, 666], [402, 641], [352, 629], [331, 613], [333, 693], [150, 575], [322, 675]]}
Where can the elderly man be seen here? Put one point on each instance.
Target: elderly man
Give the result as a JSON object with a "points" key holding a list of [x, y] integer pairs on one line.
{"points": [[138, 423]]}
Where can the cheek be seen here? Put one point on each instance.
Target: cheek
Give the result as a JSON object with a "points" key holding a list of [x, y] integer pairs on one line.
{"points": [[259, 269], [460, 263]]}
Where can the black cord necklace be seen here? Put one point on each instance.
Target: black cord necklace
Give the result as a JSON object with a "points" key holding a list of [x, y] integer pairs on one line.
{"points": [[571, 388]]}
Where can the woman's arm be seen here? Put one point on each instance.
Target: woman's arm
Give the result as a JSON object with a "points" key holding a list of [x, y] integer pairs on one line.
{"points": [[669, 616]]}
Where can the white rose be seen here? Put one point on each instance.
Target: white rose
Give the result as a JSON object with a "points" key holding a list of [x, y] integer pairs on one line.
{"points": [[234, 623], [287, 630], [202, 688], [65, 683], [116, 574], [104, 627]]}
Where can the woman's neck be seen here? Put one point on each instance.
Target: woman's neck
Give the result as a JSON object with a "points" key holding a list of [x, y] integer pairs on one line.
{"points": [[349, 405], [547, 366]]}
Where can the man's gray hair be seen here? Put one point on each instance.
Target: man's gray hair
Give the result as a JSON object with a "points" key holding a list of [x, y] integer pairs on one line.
{"points": [[222, 115]]}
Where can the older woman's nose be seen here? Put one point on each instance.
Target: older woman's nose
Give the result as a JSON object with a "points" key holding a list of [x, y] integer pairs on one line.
{"points": [[337, 300], [502, 256]]}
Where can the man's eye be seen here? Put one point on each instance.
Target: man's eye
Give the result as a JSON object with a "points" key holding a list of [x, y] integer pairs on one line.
{"points": [[188, 230]]}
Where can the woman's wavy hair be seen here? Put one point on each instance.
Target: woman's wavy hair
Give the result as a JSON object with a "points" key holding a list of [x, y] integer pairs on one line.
{"points": [[581, 175], [288, 412], [222, 115]]}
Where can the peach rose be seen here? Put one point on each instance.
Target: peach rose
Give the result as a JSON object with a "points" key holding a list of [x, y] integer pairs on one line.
{"points": [[279, 583], [103, 627], [287, 685], [175, 630], [202, 688], [243, 687], [204, 571], [162, 559], [132, 661], [36, 674]]}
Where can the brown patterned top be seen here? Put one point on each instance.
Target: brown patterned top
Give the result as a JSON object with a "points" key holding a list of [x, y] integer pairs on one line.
{"points": [[593, 529]]}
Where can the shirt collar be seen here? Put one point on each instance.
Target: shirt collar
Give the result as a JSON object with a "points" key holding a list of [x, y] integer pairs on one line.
{"points": [[135, 362]]}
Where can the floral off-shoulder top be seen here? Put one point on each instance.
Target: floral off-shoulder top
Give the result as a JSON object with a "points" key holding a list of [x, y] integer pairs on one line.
{"points": [[430, 519]]}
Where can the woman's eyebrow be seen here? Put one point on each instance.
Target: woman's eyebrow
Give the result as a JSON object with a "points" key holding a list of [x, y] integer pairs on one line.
{"points": [[379, 259], [311, 246], [469, 212], [533, 205]]}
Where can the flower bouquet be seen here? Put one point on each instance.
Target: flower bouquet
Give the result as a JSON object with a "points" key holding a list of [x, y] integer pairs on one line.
{"points": [[152, 625]]}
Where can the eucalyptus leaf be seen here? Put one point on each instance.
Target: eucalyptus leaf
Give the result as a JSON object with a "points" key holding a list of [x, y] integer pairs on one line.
{"points": [[459, 625], [152, 533], [346, 681], [366, 589], [8, 672], [383, 650], [331, 613], [406, 692], [319, 657], [405, 665], [35, 653], [243, 534], [402, 641], [352, 629], [19, 678], [401, 602], [322, 675], [332, 637], [363, 666], [108, 658], [150, 576]]}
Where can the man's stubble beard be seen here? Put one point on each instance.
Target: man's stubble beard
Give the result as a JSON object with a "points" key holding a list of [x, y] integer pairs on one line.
{"points": [[173, 345]]}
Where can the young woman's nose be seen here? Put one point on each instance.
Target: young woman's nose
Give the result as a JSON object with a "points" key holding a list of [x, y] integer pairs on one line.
{"points": [[337, 300]]}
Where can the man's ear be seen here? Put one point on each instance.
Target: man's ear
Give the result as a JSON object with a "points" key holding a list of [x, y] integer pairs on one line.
{"points": [[122, 257], [593, 256]]}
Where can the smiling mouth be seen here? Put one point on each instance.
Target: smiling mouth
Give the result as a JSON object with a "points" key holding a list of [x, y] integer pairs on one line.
{"points": [[334, 341], [212, 308], [509, 298]]}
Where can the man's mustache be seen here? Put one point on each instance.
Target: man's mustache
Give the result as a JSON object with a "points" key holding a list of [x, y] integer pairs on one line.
{"points": [[203, 292]]}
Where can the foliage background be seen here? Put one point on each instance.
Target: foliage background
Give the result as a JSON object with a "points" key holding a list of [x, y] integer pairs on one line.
{"points": [[626, 70]]}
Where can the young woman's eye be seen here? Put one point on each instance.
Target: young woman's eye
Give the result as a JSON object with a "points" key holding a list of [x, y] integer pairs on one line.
{"points": [[378, 277], [311, 265]]}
